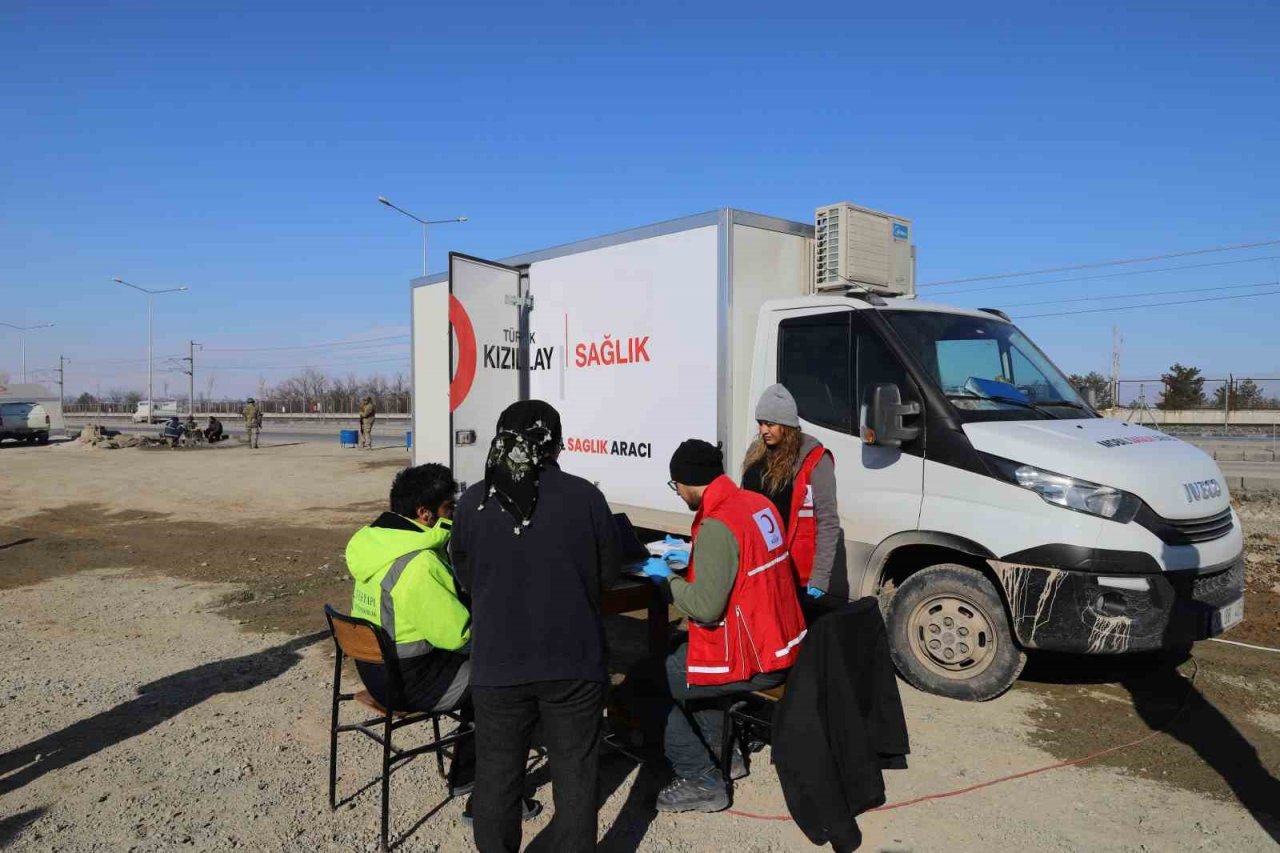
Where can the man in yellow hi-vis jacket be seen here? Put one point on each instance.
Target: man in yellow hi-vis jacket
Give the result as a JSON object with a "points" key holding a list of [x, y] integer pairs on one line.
{"points": [[403, 582]]}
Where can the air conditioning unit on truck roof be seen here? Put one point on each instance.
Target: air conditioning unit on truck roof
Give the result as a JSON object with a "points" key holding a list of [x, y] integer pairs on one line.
{"points": [[863, 248]]}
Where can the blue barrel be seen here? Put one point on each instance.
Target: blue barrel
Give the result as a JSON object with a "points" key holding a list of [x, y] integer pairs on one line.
{"points": [[408, 441], [348, 437]]}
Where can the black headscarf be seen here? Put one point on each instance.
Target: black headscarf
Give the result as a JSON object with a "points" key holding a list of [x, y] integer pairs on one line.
{"points": [[528, 438]]}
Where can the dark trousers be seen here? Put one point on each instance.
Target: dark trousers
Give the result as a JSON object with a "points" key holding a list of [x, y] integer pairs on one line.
{"points": [[569, 715], [695, 721]]}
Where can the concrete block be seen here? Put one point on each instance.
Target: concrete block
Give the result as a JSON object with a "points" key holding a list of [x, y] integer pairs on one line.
{"points": [[1229, 454], [1261, 484], [1235, 485], [1259, 456]]}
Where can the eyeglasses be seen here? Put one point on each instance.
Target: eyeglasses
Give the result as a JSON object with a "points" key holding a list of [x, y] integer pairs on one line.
{"points": [[674, 486]]}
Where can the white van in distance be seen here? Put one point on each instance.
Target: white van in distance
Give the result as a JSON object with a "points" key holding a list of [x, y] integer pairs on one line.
{"points": [[984, 502], [164, 409]]}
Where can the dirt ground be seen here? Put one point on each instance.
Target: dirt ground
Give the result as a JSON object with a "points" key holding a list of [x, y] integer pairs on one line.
{"points": [[167, 687]]}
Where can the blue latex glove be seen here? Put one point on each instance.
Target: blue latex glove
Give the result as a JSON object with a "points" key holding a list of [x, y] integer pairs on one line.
{"points": [[656, 569], [673, 540], [679, 555], [814, 592]]}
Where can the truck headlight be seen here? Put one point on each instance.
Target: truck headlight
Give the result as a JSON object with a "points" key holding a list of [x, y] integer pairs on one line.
{"points": [[1068, 492]]}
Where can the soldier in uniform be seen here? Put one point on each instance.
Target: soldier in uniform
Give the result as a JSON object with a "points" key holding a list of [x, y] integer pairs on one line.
{"points": [[252, 421], [367, 413]]}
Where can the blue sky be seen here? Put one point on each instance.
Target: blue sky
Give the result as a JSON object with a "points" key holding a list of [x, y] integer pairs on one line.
{"points": [[238, 148]]}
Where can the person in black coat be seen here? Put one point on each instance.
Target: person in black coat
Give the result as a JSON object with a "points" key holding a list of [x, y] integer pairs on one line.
{"points": [[535, 546]]}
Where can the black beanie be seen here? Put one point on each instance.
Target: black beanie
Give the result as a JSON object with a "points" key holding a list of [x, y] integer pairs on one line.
{"points": [[696, 463]]}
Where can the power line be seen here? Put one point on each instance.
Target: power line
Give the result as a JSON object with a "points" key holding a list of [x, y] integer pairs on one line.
{"points": [[317, 365], [308, 346], [1096, 264], [1272, 283], [967, 290], [1150, 305]]}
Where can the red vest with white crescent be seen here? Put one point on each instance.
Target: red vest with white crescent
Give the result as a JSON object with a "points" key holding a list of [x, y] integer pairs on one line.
{"points": [[762, 625]]}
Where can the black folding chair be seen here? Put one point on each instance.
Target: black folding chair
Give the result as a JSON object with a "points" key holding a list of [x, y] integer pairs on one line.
{"points": [[744, 724], [362, 640]]}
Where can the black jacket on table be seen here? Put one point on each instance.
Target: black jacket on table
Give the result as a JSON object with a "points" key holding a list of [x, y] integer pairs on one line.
{"points": [[839, 724]]}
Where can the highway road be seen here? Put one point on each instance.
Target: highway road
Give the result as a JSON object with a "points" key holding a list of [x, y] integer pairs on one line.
{"points": [[286, 434]]}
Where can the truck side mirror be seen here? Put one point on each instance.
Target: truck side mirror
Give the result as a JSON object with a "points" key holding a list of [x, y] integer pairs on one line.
{"points": [[882, 417]]}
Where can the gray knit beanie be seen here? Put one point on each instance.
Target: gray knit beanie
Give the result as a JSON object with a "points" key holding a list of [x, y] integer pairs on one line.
{"points": [[777, 406]]}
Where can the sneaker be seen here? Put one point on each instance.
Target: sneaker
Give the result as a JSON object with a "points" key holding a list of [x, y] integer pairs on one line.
{"points": [[705, 793], [532, 808], [462, 790]]}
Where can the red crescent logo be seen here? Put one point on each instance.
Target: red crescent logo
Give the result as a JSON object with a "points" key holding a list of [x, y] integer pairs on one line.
{"points": [[465, 335]]}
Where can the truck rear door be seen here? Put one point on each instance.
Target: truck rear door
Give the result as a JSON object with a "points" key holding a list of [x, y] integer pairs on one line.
{"points": [[486, 323]]}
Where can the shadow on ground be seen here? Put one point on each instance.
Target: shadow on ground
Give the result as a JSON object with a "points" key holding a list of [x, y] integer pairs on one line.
{"points": [[158, 701], [1202, 706], [14, 825]]}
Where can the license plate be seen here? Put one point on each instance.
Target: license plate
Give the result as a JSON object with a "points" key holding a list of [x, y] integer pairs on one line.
{"points": [[1229, 616]]}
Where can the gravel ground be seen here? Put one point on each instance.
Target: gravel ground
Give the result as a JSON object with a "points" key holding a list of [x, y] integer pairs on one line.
{"points": [[148, 705]]}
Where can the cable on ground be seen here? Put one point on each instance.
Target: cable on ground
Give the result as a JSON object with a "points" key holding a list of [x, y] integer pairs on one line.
{"points": [[1024, 774]]}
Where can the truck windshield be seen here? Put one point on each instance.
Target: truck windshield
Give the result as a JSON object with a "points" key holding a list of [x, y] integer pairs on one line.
{"points": [[987, 368]]}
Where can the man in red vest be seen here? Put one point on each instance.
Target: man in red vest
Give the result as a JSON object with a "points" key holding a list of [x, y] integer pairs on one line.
{"points": [[745, 623]]}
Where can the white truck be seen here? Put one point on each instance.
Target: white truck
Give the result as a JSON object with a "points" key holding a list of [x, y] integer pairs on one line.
{"points": [[984, 502], [162, 410], [29, 414]]}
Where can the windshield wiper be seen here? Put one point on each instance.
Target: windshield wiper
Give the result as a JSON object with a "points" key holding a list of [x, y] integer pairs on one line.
{"points": [[1068, 403], [1010, 400]]}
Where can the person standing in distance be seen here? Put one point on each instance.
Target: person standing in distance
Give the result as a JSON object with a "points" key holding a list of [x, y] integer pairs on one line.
{"points": [[793, 469], [367, 413], [535, 546], [745, 623], [252, 422]]}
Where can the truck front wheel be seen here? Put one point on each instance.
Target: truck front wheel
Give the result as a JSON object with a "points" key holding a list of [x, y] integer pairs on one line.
{"points": [[949, 635]]}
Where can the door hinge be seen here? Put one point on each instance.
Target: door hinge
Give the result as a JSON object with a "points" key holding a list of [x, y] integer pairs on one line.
{"points": [[520, 301]]}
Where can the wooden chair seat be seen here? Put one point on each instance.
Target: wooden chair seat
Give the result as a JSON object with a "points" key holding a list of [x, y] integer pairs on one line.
{"points": [[773, 694], [365, 698]]}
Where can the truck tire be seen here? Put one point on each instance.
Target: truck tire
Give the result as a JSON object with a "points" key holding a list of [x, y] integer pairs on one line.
{"points": [[42, 438], [949, 635]]}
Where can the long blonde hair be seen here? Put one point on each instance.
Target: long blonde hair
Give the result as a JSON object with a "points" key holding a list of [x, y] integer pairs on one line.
{"points": [[779, 463]]}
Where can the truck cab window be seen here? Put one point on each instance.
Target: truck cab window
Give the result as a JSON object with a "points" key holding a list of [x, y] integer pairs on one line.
{"points": [[877, 364], [815, 355]]}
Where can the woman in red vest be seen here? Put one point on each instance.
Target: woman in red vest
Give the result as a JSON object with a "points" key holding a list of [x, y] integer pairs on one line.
{"points": [[794, 470]]}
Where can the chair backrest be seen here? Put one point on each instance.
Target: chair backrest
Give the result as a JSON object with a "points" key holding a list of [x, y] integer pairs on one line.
{"points": [[358, 639]]}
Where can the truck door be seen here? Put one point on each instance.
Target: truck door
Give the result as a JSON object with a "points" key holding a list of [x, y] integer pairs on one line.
{"points": [[486, 356], [827, 360]]}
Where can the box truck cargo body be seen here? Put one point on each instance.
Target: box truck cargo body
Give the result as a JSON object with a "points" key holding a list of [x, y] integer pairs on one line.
{"points": [[989, 508]]}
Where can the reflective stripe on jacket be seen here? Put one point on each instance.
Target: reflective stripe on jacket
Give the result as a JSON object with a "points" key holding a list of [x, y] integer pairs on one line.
{"points": [[802, 527], [762, 625], [404, 583]]}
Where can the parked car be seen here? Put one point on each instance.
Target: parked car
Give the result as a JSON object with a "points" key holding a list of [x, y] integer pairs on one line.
{"points": [[27, 422]]}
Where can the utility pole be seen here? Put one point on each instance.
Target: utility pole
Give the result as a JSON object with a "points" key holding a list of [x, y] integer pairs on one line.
{"points": [[62, 379], [191, 377], [1116, 341], [1226, 404]]}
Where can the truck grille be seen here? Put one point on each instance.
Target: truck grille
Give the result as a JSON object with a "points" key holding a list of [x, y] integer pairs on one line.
{"points": [[1186, 531]]}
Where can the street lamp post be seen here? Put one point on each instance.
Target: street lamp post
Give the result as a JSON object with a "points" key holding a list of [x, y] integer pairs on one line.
{"points": [[24, 330], [151, 408], [424, 223]]}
